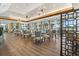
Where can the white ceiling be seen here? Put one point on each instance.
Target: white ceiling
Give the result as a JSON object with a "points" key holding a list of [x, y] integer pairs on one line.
{"points": [[18, 9], [48, 7], [21, 10], [4, 7]]}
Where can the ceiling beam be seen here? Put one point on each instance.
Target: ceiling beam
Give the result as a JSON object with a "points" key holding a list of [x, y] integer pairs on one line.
{"points": [[53, 13], [8, 18]]}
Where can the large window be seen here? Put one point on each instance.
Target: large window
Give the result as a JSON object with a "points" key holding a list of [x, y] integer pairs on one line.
{"points": [[69, 24], [55, 24]]}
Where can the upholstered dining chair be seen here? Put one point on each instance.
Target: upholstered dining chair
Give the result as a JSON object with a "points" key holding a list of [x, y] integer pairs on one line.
{"points": [[38, 39]]}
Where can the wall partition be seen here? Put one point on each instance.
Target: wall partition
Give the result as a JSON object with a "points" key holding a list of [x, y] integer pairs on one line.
{"points": [[70, 33]]}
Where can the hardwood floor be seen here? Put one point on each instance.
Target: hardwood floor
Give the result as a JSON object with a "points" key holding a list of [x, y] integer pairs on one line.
{"points": [[18, 46]]}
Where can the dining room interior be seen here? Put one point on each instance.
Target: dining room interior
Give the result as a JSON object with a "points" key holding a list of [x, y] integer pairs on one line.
{"points": [[39, 29]]}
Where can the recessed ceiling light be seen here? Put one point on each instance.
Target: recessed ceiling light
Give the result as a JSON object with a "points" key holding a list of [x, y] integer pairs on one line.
{"points": [[26, 16]]}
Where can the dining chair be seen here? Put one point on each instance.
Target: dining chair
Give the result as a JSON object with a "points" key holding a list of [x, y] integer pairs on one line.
{"points": [[38, 38]]}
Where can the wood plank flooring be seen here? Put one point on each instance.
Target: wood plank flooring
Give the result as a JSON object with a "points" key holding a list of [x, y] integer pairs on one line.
{"points": [[18, 46]]}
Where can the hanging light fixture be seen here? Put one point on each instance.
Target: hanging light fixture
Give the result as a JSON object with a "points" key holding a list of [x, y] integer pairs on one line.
{"points": [[26, 16]]}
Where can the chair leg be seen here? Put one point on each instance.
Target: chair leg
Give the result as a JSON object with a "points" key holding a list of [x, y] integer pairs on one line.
{"points": [[44, 39], [41, 41], [49, 39]]}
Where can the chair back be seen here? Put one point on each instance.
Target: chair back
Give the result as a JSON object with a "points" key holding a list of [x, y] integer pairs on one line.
{"points": [[1, 31], [37, 33]]}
